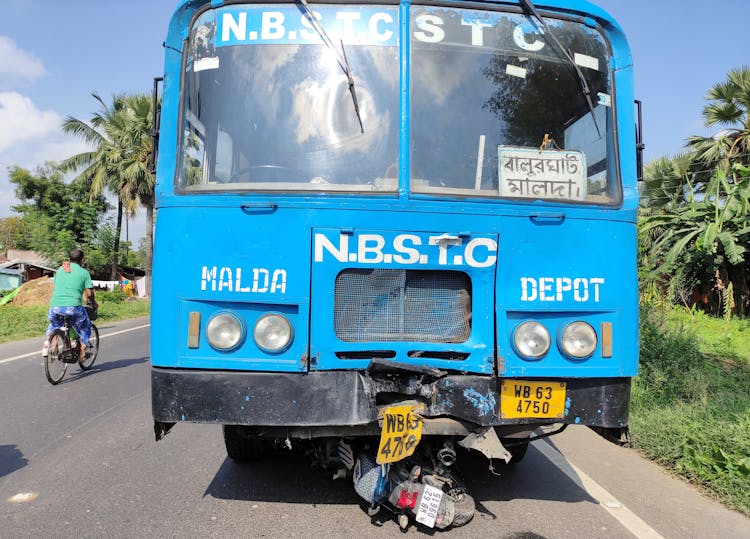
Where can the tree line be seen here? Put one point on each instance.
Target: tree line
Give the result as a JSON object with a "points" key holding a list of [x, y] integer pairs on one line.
{"points": [[55, 215], [694, 230]]}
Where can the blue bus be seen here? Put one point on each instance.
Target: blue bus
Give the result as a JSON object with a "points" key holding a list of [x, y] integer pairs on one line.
{"points": [[390, 228]]}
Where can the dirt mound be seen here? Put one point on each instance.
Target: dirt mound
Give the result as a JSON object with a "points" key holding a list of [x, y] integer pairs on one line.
{"points": [[36, 292]]}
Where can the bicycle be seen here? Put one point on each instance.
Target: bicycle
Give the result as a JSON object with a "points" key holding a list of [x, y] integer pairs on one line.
{"points": [[65, 349]]}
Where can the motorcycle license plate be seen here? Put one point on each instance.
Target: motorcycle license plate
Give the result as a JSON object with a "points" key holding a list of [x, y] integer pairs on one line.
{"points": [[428, 506], [524, 398], [400, 434]]}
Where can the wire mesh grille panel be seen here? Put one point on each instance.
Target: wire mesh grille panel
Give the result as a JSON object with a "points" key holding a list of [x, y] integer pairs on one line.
{"points": [[376, 305]]}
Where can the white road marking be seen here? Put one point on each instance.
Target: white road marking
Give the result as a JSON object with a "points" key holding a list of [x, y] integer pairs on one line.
{"points": [[614, 507], [22, 497], [39, 353]]}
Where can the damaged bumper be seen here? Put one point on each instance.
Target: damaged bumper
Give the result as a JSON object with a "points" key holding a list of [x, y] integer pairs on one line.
{"points": [[352, 398]]}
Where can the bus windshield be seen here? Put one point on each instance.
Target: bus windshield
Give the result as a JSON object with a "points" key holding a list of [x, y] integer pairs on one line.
{"points": [[499, 106], [267, 106], [497, 109]]}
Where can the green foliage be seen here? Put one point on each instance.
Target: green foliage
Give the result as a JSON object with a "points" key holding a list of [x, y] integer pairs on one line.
{"points": [[709, 235], [666, 182], [115, 296], [102, 248], [681, 287], [728, 106], [101, 251], [691, 405], [728, 302], [56, 216], [726, 343], [14, 233], [133, 258], [665, 359], [113, 310]]}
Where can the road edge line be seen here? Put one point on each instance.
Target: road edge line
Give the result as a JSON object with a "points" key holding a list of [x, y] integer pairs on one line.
{"points": [[632, 522], [38, 353]]}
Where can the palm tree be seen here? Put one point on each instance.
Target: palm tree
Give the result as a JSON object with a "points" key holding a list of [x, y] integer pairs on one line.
{"points": [[667, 183], [728, 108], [120, 134], [713, 232], [136, 180], [101, 168]]}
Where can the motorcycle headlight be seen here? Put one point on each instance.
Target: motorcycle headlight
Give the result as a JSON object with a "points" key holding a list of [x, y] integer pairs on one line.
{"points": [[272, 333], [225, 331], [578, 340], [531, 340]]}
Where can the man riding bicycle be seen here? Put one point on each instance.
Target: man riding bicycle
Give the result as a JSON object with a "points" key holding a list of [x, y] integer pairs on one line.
{"points": [[72, 284]]}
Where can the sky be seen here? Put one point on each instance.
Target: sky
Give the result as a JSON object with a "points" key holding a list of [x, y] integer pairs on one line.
{"points": [[54, 54]]}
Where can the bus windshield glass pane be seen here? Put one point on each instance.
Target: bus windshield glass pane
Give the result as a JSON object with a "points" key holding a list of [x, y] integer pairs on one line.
{"points": [[267, 104], [498, 110]]}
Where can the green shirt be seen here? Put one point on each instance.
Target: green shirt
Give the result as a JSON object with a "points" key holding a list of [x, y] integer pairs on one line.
{"points": [[69, 286]]}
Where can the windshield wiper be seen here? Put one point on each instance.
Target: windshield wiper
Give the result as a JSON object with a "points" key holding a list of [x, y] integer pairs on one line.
{"points": [[340, 57], [528, 5]]}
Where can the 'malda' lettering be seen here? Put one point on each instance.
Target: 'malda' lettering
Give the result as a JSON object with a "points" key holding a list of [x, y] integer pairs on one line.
{"points": [[231, 280]]}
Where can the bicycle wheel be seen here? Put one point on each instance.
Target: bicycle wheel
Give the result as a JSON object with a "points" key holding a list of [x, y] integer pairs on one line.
{"points": [[92, 350], [54, 368]]}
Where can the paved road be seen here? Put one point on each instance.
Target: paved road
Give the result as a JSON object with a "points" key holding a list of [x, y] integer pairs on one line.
{"points": [[79, 460]]}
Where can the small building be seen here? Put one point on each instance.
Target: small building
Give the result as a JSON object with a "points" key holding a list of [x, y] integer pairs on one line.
{"points": [[29, 270], [31, 257], [10, 279]]}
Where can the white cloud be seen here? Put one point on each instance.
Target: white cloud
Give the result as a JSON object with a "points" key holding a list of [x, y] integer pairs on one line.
{"points": [[20, 120], [326, 111], [444, 74], [7, 198], [54, 147], [136, 228], [16, 65]]}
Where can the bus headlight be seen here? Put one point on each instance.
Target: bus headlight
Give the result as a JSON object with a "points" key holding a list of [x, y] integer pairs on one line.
{"points": [[225, 331], [272, 333], [531, 340], [578, 340]]}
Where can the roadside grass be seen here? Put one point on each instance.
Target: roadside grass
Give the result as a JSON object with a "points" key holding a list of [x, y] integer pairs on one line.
{"points": [[719, 339], [691, 401], [20, 322]]}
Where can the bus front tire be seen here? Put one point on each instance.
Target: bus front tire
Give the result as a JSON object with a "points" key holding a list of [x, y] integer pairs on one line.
{"points": [[241, 445]]}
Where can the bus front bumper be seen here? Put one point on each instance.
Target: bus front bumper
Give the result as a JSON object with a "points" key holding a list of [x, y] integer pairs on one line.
{"points": [[352, 398]]}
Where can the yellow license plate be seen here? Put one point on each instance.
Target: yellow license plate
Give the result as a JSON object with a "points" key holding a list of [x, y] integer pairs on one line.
{"points": [[523, 398], [401, 433]]}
